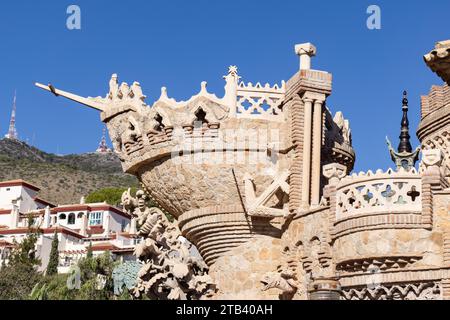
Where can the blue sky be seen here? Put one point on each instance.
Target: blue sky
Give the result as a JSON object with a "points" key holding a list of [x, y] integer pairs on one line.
{"points": [[178, 44]]}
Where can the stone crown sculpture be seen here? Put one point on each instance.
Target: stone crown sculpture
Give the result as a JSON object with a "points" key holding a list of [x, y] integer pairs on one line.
{"points": [[260, 182]]}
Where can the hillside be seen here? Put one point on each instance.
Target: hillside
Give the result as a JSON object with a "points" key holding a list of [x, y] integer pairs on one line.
{"points": [[63, 179]]}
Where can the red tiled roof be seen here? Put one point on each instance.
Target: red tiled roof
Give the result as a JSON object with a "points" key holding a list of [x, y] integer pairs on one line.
{"points": [[90, 207], [104, 247], [44, 202], [129, 235], [95, 230], [6, 244], [19, 182], [123, 250], [45, 231]]}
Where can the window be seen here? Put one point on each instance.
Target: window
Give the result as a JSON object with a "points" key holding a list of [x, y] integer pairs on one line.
{"points": [[80, 215], [96, 218], [71, 218], [62, 216], [124, 224]]}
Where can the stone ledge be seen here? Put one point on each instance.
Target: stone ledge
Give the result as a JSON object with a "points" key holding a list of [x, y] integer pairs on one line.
{"points": [[397, 276], [379, 221]]}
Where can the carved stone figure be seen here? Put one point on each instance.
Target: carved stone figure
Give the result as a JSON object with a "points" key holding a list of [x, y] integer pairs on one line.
{"points": [[170, 270]]}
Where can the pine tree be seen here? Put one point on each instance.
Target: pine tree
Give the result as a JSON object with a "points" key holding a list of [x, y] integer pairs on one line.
{"points": [[89, 254], [52, 267]]}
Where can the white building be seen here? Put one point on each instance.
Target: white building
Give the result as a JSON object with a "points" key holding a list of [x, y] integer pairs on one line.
{"points": [[77, 226]]}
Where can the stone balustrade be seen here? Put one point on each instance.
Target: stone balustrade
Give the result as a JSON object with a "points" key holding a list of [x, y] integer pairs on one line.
{"points": [[260, 102], [378, 193]]}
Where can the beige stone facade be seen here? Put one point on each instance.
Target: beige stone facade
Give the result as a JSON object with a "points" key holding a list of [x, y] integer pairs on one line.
{"points": [[260, 181]]}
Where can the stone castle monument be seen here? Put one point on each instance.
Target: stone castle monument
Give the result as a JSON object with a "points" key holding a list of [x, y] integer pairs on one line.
{"points": [[260, 182]]}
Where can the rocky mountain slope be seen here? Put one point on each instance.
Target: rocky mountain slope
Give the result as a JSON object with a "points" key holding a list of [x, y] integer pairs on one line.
{"points": [[63, 179]]}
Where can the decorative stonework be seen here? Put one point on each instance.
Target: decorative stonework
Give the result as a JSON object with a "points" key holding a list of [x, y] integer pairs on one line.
{"points": [[439, 60], [258, 101], [296, 224], [380, 192], [383, 263], [439, 97], [413, 291], [170, 270]]}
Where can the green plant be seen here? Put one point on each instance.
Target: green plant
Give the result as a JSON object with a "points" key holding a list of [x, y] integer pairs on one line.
{"points": [[52, 267], [20, 276]]}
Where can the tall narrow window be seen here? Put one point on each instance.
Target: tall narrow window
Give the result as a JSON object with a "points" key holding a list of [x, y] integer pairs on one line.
{"points": [[71, 219], [96, 218]]}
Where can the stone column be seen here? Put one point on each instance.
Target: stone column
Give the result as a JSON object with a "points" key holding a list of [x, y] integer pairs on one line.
{"points": [[307, 138], [84, 225], [432, 180], [47, 218], [296, 106], [316, 171], [334, 172], [14, 222], [133, 226], [305, 51], [325, 289], [108, 225]]}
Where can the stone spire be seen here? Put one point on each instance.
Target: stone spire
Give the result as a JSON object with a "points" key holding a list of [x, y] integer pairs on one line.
{"points": [[12, 132], [405, 144], [404, 157]]}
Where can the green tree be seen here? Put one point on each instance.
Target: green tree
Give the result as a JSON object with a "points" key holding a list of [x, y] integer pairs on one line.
{"points": [[111, 196], [89, 254], [52, 267], [55, 287], [20, 275]]}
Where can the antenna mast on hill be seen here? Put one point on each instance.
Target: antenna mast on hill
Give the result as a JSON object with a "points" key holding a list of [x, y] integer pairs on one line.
{"points": [[12, 132], [103, 146]]}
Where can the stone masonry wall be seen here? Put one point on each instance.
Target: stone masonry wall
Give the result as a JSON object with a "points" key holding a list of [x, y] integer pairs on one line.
{"points": [[238, 274]]}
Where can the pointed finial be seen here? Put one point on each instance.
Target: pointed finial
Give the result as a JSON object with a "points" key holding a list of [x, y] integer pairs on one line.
{"points": [[203, 86], [405, 99], [405, 144], [232, 70], [163, 93]]}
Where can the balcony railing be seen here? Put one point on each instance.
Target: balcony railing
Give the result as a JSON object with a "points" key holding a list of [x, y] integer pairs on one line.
{"points": [[377, 193]]}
